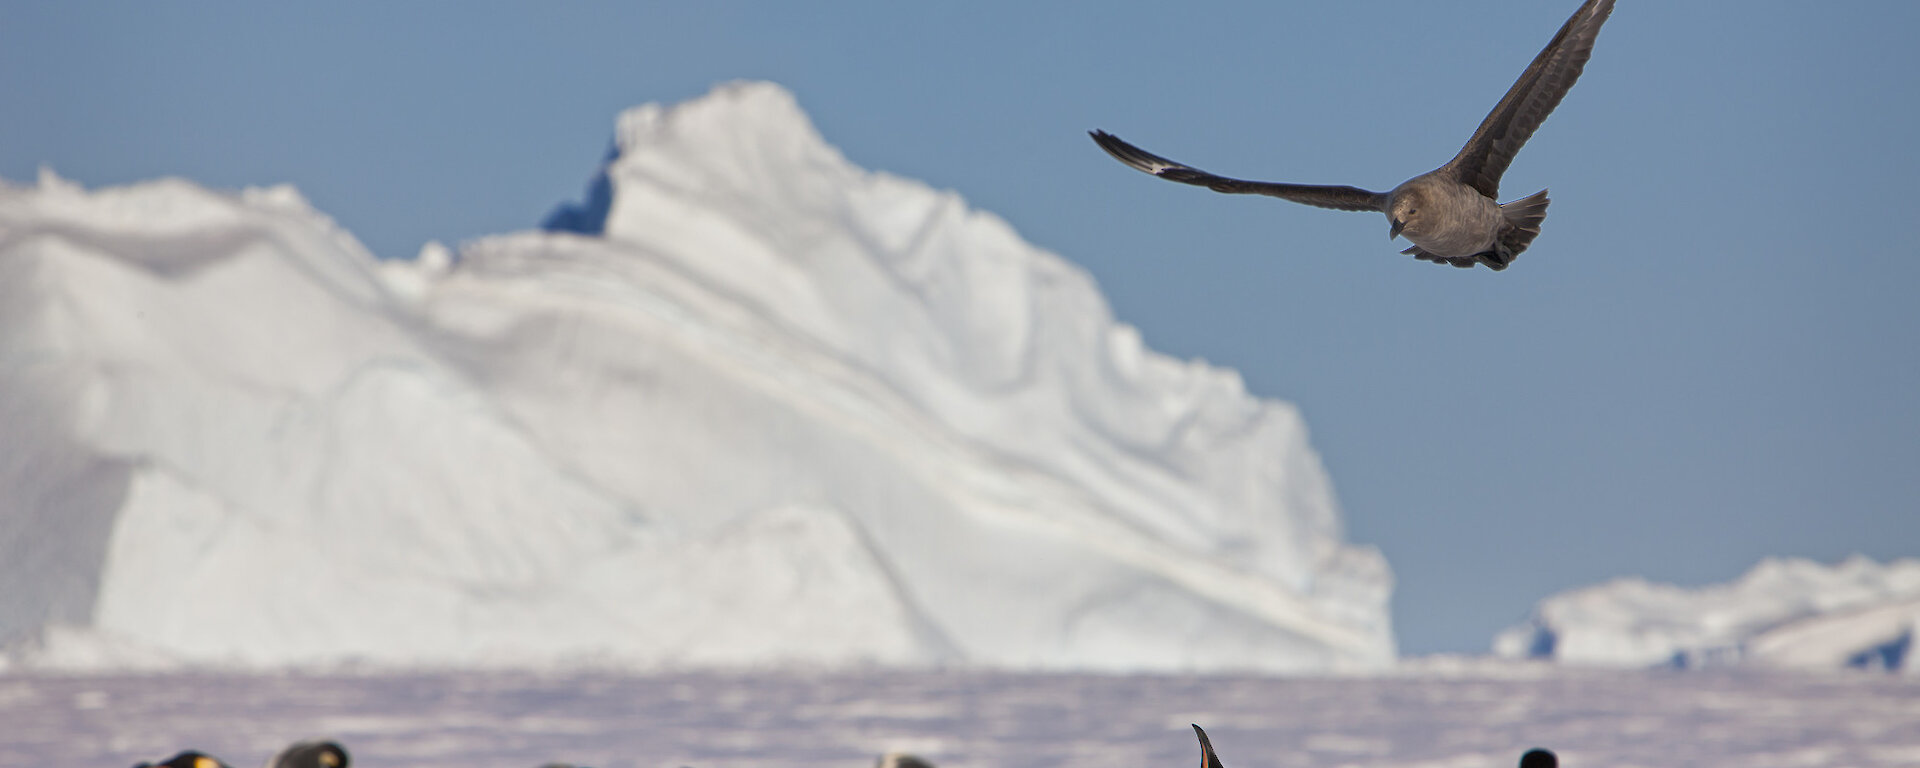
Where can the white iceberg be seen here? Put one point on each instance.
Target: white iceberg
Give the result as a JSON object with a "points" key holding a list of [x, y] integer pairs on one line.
{"points": [[1785, 612], [748, 405]]}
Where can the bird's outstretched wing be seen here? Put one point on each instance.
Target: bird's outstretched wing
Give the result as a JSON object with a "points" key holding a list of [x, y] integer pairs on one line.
{"points": [[1486, 156], [1338, 198]]}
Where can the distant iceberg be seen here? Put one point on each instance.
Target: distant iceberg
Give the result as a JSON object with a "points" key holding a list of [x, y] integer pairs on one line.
{"points": [[1784, 612], [746, 405]]}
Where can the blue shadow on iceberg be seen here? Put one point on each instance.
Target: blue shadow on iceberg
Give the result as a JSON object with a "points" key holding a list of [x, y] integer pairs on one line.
{"points": [[589, 216], [1888, 656]]}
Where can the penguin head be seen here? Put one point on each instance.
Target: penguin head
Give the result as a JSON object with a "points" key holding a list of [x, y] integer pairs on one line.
{"points": [[1539, 758], [188, 759], [901, 760], [311, 754], [1207, 758]]}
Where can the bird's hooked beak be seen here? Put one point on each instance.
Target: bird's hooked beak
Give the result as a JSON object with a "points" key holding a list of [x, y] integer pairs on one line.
{"points": [[1398, 224]]}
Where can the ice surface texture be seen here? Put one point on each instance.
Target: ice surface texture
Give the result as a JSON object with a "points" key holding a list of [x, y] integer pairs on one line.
{"points": [[764, 407]]}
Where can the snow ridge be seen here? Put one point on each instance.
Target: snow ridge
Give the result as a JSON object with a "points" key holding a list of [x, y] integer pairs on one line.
{"points": [[749, 405]]}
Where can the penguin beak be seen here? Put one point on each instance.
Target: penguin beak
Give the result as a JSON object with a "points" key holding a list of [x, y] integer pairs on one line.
{"points": [[1398, 224]]}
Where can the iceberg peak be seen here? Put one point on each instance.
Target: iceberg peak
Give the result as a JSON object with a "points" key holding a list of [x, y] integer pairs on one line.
{"points": [[742, 111]]}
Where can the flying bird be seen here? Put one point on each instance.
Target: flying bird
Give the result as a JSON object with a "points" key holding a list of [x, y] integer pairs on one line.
{"points": [[1452, 214]]}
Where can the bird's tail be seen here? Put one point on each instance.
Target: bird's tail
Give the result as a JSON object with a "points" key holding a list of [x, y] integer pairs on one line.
{"points": [[1523, 221]]}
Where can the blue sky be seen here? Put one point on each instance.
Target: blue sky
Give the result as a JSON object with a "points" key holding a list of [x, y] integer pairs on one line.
{"points": [[1710, 355]]}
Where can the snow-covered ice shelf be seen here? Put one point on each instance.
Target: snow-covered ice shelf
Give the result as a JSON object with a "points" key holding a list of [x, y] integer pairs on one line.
{"points": [[976, 720]]}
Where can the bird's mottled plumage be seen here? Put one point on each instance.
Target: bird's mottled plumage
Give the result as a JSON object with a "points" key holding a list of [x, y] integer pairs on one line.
{"points": [[1451, 214]]}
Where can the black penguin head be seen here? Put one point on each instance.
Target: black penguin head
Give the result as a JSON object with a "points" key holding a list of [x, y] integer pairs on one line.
{"points": [[188, 759], [901, 760], [311, 754], [1539, 758]]}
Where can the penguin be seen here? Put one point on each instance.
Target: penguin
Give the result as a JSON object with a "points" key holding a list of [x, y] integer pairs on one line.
{"points": [[310, 754], [1534, 758], [188, 759]]}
